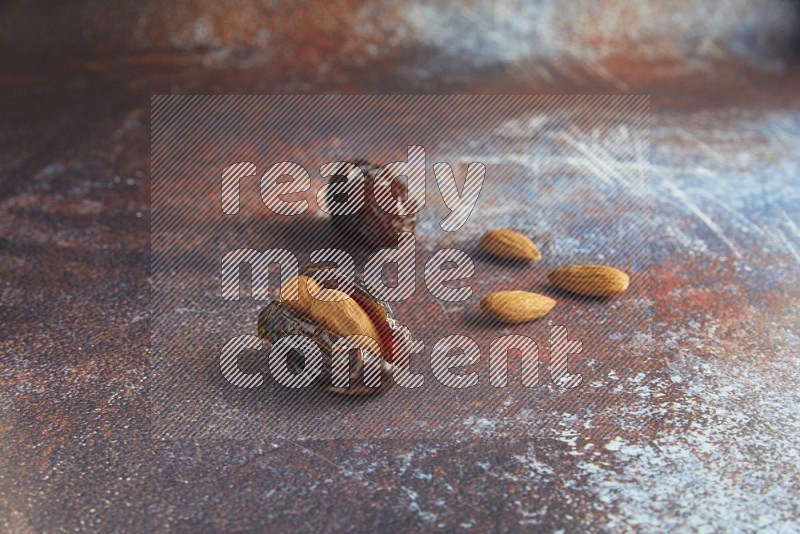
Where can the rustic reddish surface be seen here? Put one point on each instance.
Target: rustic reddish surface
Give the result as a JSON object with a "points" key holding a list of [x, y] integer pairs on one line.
{"points": [[698, 425]]}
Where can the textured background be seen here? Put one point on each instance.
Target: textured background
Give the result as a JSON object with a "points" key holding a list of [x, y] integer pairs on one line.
{"points": [[701, 427]]}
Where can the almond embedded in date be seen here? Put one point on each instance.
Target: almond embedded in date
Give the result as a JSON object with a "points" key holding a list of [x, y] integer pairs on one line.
{"points": [[339, 313], [516, 306], [510, 245], [590, 280]]}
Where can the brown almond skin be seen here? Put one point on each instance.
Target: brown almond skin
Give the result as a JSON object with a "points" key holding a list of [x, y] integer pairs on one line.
{"points": [[516, 306], [343, 316], [510, 245], [590, 280]]}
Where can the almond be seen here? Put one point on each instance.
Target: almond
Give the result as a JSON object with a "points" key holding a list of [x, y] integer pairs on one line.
{"points": [[510, 245], [516, 306], [339, 313], [590, 280]]}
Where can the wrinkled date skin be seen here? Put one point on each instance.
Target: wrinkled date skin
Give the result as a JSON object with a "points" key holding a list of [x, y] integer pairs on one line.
{"points": [[278, 320], [372, 225]]}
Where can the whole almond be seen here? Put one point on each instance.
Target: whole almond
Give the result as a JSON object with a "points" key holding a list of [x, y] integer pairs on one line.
{"points": [[590, 280], [510, 245], [516, 306], [339, 314]]}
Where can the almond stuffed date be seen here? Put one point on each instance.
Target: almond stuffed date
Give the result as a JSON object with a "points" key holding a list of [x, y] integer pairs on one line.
{"points": [[330, 324]]}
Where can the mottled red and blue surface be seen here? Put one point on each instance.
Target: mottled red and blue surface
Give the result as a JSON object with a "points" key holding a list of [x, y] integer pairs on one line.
{"points": [[694, 422]]}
